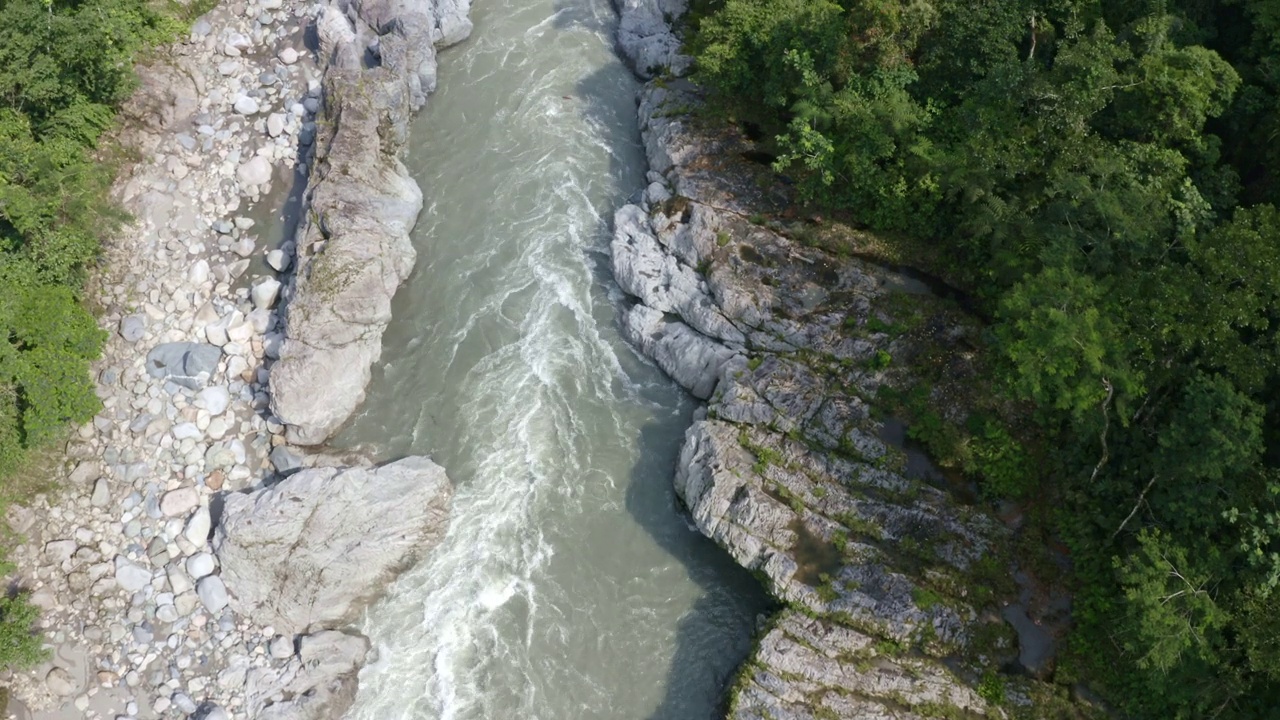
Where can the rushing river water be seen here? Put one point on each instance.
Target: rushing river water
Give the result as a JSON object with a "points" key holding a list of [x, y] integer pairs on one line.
{"points": [[569, 585]]}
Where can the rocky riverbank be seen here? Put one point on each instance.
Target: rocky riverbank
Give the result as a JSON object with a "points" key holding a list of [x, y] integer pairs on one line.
{"points": [[353, 249], [183, 516], [889, 581]]}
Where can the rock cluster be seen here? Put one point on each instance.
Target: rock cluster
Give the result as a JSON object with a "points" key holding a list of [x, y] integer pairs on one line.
{"points": [[145, 617], [646, 38], [353, 250], [787, 469]]}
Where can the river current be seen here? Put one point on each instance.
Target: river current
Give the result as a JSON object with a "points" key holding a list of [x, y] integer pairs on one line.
{"points": [[570, 585]]}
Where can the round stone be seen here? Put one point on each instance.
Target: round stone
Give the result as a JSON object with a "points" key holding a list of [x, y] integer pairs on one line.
{"points": [[60, 682], [246, 105], [200, 565]]}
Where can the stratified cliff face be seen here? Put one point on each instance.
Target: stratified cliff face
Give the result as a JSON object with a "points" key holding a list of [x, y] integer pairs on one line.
{"points": [[353, 248], [787, 471]]}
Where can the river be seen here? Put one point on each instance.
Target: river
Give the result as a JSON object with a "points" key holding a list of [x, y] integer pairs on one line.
{"points": [[569, 585]]}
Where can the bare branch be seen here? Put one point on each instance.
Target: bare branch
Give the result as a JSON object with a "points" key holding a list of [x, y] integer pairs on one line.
{"points": [[1141, 498], [1106, 426]]}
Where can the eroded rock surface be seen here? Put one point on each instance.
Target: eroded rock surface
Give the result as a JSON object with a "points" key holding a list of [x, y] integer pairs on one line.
{"points": [[788, 471], [312, 551], [646, 39], [353, 248]]}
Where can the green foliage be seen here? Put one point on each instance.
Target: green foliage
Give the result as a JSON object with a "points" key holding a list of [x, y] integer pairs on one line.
{"points": [[64, 68], [925, 599], [20, 646], [991, 688], [999, 461], [880, 361], [1103, 179], [1170, 604]]}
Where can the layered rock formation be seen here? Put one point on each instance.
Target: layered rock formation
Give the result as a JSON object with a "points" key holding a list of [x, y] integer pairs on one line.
{"points": [[353, 248], [882, 573]]}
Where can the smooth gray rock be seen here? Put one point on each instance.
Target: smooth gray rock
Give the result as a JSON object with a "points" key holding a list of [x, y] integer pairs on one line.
{"points": [[275, 124], [285, 460], [214, 399], [254, 171], [60, 682], [198, 527], [101, 493], [246, 105], [278, 260], [187, 364], [212, 593], [663, 281], [690, 358], [179, 501], [645, 39], [265, 293], [130, 576], [321, 681], [133, 327], [312, 551], [200, 565]]}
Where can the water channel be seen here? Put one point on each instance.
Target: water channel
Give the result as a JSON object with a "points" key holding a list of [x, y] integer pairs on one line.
{"points": [[570, 584]]}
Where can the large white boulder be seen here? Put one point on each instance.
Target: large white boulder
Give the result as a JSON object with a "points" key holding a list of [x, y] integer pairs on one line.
{"points": [[312, 551]]}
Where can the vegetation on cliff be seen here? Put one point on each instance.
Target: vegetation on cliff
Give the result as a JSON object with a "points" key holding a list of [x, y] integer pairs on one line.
{"points": [[1102, 179], [64, 69]]}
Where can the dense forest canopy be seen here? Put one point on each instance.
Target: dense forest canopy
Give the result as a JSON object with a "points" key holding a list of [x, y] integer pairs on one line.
{"points": [[1102, 176]]}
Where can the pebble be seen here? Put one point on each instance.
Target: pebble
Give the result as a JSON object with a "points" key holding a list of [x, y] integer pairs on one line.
{"points": [[265, 293], [131, 576], [275, 124], [179, 502], [200, 565], [101, 493], [214, 398], [246, 105], [128, 559], [60, 682], [198, 527], [278, 260], [133, 328], [255, 171], [212, 593]]}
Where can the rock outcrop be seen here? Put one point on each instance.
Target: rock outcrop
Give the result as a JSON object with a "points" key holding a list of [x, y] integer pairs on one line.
{"points": [[788, 470], [353, 248], [646, 39], [311, 552]]}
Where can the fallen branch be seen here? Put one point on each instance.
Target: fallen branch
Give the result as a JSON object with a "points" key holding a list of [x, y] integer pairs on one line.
{"points": [[1141, 498]]}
